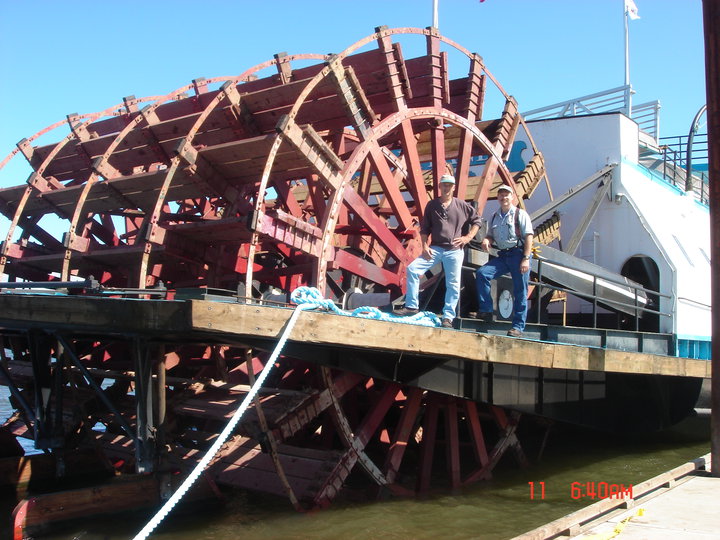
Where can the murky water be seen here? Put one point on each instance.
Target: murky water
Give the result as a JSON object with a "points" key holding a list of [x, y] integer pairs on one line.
{"points": [[497, 509]]}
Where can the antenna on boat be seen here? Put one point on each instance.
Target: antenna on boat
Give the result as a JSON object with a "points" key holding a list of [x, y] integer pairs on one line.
{"points": [[435, 13]]}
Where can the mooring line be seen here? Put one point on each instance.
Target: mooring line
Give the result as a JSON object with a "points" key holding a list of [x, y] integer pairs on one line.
{"points": [[200, 467], [306, 298]]}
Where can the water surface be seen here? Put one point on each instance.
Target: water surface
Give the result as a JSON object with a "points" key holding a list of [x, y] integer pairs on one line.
{"points": [[497, 509]]}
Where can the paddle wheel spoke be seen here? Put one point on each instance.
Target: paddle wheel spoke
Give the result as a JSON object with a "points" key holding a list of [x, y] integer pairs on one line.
{"points": [[475, 97]]}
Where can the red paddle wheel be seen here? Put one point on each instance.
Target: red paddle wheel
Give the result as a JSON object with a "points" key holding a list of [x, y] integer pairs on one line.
{"points": [[314, 175], [303, 170]]}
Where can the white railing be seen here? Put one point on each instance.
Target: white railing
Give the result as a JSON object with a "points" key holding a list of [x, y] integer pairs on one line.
{"points": [[647, 115]]}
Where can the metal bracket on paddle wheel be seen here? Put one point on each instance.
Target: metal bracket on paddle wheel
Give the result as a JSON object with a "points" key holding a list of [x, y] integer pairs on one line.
{"points": [[145, 442], [48, 390]]}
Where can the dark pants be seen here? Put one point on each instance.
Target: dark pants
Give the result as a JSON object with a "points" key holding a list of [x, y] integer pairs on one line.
{"points": [[505, 262]]}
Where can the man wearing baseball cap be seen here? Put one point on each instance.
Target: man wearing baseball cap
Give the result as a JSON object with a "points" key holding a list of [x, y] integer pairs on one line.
{"points": [[442, 240], [511, 231]]}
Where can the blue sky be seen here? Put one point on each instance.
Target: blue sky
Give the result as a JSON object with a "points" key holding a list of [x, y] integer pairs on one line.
{"points": [[60, 57]]}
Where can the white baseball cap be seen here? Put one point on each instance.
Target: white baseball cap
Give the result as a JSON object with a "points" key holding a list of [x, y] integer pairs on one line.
{"points": [[447, 179]]}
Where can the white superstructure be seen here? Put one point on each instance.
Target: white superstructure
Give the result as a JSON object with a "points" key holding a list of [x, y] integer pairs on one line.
{"points": [[639, 225]]}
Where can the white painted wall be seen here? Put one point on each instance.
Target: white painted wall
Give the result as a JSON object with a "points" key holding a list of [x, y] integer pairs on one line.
{"points": [[679, 228], [640, 216]]}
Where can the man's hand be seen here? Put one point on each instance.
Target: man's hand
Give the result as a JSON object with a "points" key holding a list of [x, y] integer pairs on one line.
{"points": [[427, 253], [485, 244], [460, 241], [524, 266]]}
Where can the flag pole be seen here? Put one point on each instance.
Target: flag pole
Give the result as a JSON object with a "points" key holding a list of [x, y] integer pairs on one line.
{"points": [[627, 44], [628, 94], [435, 14]]}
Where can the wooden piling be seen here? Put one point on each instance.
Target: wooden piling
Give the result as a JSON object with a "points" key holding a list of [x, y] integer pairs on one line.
{"points": [[711, 19]]}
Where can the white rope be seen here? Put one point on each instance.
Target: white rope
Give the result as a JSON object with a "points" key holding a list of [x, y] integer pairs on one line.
{"points": [[306, 298], [200, 467]]}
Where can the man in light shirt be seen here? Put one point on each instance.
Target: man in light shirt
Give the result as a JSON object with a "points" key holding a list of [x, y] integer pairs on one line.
{"points": [[510, 230]]}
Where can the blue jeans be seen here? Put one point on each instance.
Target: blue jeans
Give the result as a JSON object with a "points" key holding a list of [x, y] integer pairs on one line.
{"points": [[507, 262], [452, 260]]}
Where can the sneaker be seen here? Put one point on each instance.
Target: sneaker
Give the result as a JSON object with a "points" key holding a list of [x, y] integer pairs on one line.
{"points": [[514, 332], [485, 317], [447, 323], [406, 311]]}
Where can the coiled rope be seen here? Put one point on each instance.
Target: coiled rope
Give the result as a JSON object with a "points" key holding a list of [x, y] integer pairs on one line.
{"points": [[312, 295], [306, 298]]}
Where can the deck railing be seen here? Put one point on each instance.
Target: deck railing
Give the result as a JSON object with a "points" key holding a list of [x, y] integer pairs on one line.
{"points": [[678, 155], [670, 157], [640, 300], [647, 115]]}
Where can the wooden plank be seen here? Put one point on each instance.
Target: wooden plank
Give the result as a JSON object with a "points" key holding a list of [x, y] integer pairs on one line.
{"points": [[108, 314], [327, 329], [266, 482], [102, 195], [204, 405], [238, 153], [251, 458], [39, 470], [10, 197], [175, 120], [92, 262], [37, 513], [232, 230], [232, 323], [452, 139], [247, 467], [135, 191]]}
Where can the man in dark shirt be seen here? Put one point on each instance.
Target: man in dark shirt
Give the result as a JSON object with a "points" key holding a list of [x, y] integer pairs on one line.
{"points": [[442, 239]]}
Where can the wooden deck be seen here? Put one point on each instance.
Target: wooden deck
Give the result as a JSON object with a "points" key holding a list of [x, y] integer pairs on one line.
{"points": [[679, 504], [235, 323]]}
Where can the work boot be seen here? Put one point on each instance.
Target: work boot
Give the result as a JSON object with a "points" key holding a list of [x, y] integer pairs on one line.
{"points": [[485, 317], [514, 332], [406, 312], [447, 323]]}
